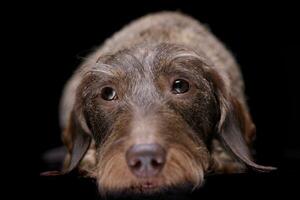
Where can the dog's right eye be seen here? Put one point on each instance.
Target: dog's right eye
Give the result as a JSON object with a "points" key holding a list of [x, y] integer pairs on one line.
{"points": [[108, 94], [180, 86]]}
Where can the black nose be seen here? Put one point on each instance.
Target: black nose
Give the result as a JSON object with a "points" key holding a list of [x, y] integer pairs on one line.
{"points": [[146, 160]]}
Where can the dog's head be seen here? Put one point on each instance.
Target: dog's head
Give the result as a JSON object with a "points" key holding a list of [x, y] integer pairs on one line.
{"points": [[159, 117]]}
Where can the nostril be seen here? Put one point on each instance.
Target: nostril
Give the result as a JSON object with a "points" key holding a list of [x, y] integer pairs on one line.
{"points": [[136, 165], [155, 163]]}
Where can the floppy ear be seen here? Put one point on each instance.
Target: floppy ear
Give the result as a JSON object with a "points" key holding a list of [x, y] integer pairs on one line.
{"points": [[235, 128], [77, 138]]}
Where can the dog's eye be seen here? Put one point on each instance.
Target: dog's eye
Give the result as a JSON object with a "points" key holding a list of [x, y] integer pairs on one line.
{"points": [[108, 94], [180, 86]]}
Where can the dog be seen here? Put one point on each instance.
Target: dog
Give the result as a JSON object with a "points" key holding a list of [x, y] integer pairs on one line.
{"points": [[160, 104]]}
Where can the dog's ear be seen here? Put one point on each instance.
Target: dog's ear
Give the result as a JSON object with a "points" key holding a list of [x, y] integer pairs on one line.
{"points": [[77, 139], [235, 128]]}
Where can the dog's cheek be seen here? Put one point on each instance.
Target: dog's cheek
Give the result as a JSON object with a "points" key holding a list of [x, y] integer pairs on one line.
{"points": [[188, 157], [182, 167], [98, 121], [112, 171], [199, 112], [113, 174]]}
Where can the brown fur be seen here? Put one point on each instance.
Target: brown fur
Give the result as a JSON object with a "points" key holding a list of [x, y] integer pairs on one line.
{"points": [[206, 129]]}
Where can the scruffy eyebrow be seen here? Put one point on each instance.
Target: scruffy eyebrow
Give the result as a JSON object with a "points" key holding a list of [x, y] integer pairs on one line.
{"points": [[185, 54], [186, 62], [103, 68], [191, 55]]}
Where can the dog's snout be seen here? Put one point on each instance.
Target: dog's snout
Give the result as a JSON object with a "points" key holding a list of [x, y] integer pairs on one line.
{"points": [[146, 160]]}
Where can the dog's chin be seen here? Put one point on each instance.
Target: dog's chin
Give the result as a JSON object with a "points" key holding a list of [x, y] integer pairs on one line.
{"points": [[148, 189]]}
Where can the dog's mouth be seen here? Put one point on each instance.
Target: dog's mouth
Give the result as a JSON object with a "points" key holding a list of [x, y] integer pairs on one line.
{"points": [[149, 185], [149, 189], [146, 186]]}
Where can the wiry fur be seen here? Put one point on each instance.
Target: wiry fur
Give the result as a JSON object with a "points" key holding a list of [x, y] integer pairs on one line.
{"points": [[207, 129]]}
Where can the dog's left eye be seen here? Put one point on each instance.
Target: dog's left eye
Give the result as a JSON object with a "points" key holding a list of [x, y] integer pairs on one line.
{"points": [[180, 86], [108, 94]]}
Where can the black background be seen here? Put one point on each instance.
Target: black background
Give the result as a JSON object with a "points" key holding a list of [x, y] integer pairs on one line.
{"points": [[49, 40]]}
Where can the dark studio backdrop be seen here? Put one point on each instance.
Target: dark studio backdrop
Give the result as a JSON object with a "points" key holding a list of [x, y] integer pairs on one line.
{"points": [[55, 39]]}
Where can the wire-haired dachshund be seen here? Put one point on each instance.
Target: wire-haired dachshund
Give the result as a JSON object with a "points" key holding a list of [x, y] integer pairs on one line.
{"points": [[160, 104]]}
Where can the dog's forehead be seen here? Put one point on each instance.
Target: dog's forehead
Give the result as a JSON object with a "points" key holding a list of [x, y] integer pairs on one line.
{"points": [[150, 60]]}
